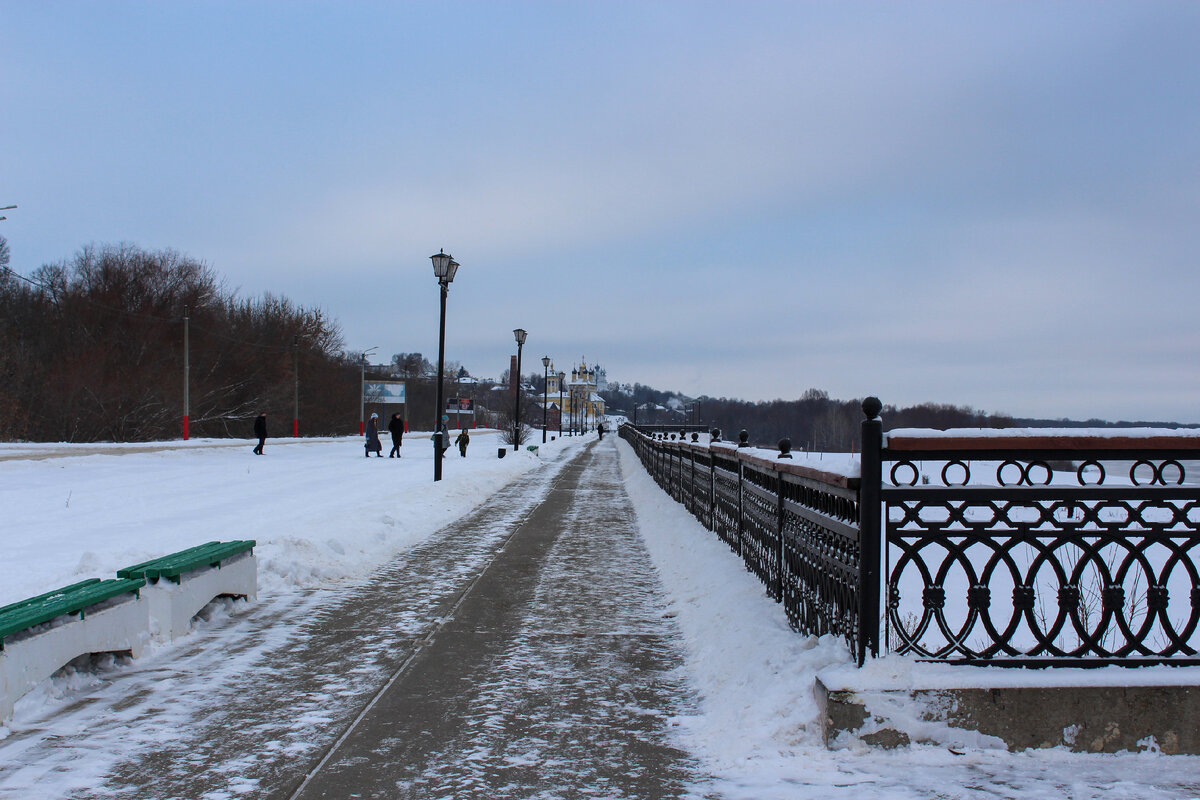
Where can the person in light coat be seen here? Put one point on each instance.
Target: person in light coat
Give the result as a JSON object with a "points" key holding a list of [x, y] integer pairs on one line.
{"points": [[373, 445]]}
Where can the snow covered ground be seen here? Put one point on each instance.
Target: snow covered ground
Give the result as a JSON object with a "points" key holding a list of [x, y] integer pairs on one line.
{"points": [[320, 511], [325, 516]]}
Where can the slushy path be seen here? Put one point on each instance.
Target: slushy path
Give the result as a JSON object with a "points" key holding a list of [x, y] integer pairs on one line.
{"points": [[521, 652], [551, 679]]}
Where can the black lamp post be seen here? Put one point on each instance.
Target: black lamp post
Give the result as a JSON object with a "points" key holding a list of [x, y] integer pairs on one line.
{"points": [[545, 393], [574, 399], [444, 267], [561, 375], [519, 334]]}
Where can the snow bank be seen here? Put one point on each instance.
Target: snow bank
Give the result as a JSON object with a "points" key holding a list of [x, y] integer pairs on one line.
{"points": [[321, 512]]}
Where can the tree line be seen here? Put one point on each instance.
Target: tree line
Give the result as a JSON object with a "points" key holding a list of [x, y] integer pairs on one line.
{"points": [[92, 349], [815, 421]]}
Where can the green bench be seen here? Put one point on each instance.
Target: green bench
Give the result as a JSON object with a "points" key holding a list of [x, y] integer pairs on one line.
{"points": [[209, 554], [69, 600], [31, 650], [158, 608]]}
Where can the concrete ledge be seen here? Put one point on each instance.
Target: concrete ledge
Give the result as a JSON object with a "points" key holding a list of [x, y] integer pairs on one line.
{"points": [[1094, 719]]}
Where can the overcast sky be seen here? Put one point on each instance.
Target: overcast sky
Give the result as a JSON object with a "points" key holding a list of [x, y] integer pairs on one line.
{"points": [[986, 204]]}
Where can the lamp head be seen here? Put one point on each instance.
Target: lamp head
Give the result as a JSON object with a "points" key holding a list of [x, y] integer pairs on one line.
{"points": [[519, 334], [441, 266], [546, 362]]}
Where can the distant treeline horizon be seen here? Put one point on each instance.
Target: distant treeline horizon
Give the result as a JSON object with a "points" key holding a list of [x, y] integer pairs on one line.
{"points": [[815, 421], [93, 348]]}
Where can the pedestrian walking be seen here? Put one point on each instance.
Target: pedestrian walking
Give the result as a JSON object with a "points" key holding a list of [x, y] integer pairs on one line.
{"points": [[396, 427], [373, 445], [260, 430], [600, 430], [462, 441]]}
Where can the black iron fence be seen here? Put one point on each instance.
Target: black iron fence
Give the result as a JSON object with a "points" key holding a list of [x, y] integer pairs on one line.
{"points": [[1026, 548], [795, 527]]}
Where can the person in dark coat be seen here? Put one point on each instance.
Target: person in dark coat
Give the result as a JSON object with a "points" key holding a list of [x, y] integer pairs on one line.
{"points": [[373, 445], [396, 426], [462, 441], [260, 430], [600, 430]]}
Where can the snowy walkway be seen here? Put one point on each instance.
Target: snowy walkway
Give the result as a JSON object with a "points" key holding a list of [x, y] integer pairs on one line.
{"points": [[536, 651], [523, 651], [551, 677]]}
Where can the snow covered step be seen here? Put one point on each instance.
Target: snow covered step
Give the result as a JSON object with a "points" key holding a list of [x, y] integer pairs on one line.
{"points": [[180, 584], [41, 635]]}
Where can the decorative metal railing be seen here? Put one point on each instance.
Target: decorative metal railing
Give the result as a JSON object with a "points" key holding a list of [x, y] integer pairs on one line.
{"points": [[1043, 550], [1034, 548], [726, 500], [794, 526]]}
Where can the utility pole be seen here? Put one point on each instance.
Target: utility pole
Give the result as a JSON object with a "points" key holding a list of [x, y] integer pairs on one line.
{"points": [[362, 384], [296, 400], [186, 370]]}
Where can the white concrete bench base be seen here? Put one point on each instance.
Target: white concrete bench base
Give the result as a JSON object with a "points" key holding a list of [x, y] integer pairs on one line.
{"points": [[172, 605], [120, 625]]}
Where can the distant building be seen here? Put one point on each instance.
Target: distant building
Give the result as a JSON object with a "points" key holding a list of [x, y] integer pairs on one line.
{"points": [[580, 401]]}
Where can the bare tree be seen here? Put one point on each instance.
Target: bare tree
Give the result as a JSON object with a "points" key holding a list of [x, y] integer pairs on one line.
{"points": [[93, 350]]}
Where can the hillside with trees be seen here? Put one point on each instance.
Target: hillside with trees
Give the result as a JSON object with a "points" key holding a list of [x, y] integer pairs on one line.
{"points": [[92, 349], [814, 421]]}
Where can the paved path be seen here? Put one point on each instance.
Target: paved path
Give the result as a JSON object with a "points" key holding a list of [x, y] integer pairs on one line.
{"points": [[522, 652], [552, 678]]}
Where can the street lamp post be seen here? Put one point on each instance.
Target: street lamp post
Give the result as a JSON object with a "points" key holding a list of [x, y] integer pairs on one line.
{"points": [[444, 268], [545, 393], [519, 334], [561, 375]]}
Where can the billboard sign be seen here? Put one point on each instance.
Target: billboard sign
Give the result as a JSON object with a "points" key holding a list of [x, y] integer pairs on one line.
{"points": [[388, 392], [459, 405]]}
